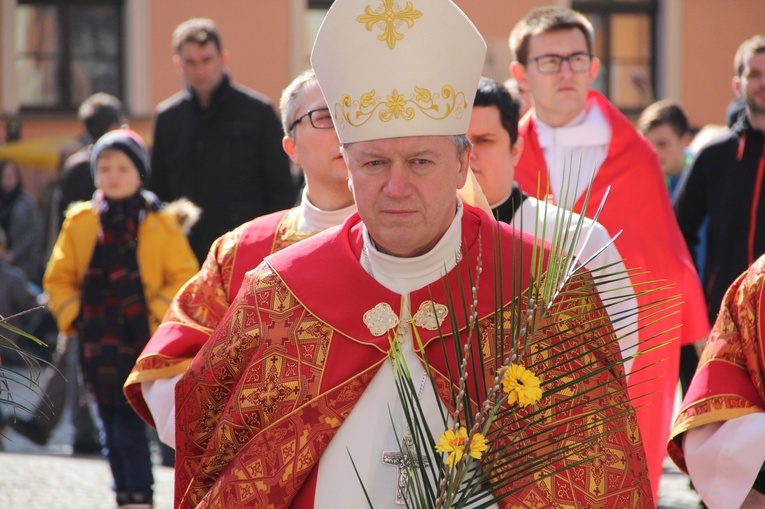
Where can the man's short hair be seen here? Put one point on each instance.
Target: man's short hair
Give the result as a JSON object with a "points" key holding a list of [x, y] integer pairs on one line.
{"points": [[197, 30], [290, 100], [461, 144], [664, 112], [547, 19], [100, 113], [748, 48], [493, 93]]}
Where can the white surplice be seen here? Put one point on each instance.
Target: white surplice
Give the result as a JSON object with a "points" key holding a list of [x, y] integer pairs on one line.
{"points": [[574, 153]]}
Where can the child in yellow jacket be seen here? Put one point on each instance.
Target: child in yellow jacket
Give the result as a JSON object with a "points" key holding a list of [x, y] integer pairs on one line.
{"points": [[113, 272]]}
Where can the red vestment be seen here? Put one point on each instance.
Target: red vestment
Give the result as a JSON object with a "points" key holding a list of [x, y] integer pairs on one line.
{"points": [[730, 380], [264, 397], [652, 246], [202, 302]]}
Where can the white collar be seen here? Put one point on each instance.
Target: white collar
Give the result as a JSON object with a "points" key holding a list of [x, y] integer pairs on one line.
{"points": [[405, 275], [589, 128], [313, 219]]}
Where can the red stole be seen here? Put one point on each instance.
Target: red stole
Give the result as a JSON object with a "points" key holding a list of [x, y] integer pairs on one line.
{"points": [[638, 205]]}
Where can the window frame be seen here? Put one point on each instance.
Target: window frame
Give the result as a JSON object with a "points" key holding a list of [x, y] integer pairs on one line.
{"points": [[67, 104], [320, 4], [605, 9]]}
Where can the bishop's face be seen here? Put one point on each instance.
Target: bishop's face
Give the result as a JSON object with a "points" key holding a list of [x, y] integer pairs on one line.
{"points": [[406, 190]]}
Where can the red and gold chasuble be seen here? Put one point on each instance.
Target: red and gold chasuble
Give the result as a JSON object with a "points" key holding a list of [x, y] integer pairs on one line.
{"points": [[265, 396], [202, 302], [651, 244], [730, 379]]}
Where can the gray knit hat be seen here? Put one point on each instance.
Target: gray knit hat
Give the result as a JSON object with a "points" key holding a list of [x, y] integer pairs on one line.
{"points": [[130, 143]]}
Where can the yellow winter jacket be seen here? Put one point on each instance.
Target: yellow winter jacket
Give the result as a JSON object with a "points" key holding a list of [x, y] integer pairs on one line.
{"points": [[165, 261]]}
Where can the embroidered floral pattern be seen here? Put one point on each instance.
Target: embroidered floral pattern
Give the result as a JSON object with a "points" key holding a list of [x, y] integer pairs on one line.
{"points": [[436, 106]]}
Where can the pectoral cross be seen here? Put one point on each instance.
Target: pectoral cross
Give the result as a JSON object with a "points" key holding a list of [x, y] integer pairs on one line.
{"points": [[403, 462]]}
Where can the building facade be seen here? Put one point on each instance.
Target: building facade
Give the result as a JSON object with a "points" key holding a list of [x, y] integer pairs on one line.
{"points": [[54, 53]]}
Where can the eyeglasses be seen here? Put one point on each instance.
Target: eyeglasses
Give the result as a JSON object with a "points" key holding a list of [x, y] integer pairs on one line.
{"points": [[552, 64], [319, 118]]}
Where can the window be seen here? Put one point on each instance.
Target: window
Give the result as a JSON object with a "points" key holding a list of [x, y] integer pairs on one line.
{"points": [[625, 42], [317, 10], [67, 50]]}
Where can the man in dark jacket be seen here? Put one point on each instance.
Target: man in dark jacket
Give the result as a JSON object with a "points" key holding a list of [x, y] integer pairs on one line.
{"points": [[726, 183], [217, 143]]}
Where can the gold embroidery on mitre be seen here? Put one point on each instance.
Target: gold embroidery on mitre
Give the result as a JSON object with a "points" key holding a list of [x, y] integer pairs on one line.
{"points": [[380, 319], [436, 106], [389, 16], [430, 315]]}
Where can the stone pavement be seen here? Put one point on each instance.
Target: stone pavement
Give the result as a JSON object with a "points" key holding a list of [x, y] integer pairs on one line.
{"points": [[34, 477]]}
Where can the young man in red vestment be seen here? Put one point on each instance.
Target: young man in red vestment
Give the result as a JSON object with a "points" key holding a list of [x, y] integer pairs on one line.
{"points": [[573, 135], [310, 142], [296, 378]]}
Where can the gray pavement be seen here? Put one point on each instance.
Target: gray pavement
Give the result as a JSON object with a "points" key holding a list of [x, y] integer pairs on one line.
{"points": [[34, 477]]}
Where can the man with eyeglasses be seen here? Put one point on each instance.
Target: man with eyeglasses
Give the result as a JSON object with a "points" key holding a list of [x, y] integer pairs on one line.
{"points": [[574, 137], [311, 143]]}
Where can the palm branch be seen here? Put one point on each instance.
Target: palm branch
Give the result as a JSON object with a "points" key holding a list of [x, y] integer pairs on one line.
{"points": [[9, 377], [526, 332]]}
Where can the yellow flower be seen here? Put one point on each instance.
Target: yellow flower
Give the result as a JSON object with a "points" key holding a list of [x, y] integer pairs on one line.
{"points": [[454, 444], [478, 446], [521, 386]]}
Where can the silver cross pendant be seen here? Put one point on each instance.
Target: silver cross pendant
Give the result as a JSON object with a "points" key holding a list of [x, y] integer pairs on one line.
{"points": [[403, 462]]}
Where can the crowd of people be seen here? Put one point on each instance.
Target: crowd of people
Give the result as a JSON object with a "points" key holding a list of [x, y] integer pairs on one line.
{"points": [[248, 316]]}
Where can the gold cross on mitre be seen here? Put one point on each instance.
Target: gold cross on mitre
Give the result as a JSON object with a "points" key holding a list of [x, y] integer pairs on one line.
{"points": [[389, 16], [387, 68]]}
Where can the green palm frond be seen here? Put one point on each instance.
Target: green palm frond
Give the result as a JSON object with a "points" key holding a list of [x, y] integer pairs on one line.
{"points": [[9, 377], [526, 331]]}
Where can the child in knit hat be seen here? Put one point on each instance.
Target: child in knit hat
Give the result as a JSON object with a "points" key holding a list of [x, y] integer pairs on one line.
{"points": [[116, 265]]}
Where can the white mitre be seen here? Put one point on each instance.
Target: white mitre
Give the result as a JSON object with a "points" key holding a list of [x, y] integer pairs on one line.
{"points": [[390, 69]]}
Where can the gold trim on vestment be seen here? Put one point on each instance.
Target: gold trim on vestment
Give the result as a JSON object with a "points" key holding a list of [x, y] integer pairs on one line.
{"points": [[287, 232], [150, 375], [721, 415]]}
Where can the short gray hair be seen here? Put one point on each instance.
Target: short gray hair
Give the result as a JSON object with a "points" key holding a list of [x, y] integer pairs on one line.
{"points": [[290, 100], [461, 143]]}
